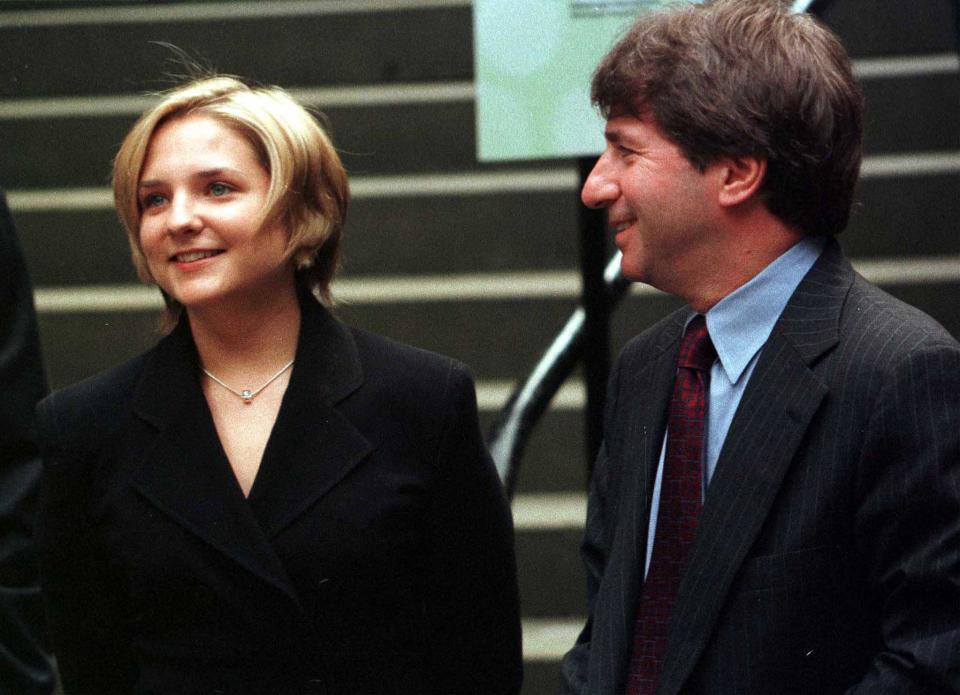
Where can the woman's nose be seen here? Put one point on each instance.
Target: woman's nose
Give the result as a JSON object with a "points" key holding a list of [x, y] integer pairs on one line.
{"points": [[183, 215]]}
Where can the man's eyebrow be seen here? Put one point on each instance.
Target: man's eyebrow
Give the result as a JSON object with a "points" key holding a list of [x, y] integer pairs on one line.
{"points": [[612, 135]]}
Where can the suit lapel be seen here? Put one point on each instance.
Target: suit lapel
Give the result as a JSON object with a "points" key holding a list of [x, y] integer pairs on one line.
{"points": [[179, 465], [781, 399], [645, 392], [647, 396], [312, 446]]}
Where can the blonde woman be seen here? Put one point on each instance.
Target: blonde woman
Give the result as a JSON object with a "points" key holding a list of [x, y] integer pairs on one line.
{"points": [[267, 501]]}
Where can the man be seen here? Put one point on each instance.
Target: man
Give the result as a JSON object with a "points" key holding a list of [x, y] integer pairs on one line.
{"points": [[776, 505], [24, 667]]}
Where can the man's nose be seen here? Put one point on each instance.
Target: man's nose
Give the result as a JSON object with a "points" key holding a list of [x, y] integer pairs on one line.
{"points": [[600, 190]]}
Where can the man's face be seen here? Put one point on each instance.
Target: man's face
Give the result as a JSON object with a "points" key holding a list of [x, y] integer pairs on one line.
{"points": [[657, 203]]}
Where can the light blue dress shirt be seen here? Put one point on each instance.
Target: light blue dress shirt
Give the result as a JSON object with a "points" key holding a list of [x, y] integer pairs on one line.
{"points": [[739, 325]]}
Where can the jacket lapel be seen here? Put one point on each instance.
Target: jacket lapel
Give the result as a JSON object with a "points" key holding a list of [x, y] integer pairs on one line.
{"points": [[771, 420], [645, 392], [179, 465], [312, 446]]}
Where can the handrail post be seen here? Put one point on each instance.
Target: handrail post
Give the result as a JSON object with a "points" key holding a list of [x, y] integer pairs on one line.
{"points": [[596, 346], [956, 23]]}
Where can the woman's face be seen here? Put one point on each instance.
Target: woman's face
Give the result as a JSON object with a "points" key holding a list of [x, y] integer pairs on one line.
{"points": [[202, 192]]}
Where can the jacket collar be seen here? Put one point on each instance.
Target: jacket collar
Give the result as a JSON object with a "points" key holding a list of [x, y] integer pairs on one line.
{"points": [[327, 365], [179, 464]]}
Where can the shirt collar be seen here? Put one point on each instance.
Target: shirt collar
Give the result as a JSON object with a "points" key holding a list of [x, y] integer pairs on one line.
{"points": [[740, 323]]}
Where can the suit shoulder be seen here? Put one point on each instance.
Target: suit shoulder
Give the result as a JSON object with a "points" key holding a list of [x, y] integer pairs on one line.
{"points": [[392, 363], [409, 385], [80, 415], [890, 325]]}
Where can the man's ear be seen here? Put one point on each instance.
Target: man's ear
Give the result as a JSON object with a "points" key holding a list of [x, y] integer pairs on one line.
{"points": [[740, 179]]}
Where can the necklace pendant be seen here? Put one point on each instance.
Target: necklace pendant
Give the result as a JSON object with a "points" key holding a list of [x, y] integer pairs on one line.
{"points": [[247, 395]]}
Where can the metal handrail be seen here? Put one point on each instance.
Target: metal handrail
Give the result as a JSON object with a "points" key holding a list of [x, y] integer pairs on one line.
{"points": [[509, 433]]}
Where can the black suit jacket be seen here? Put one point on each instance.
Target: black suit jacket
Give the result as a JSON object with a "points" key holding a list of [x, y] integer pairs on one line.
{"points": [[24, 667], [827, 556], [374, 553]]}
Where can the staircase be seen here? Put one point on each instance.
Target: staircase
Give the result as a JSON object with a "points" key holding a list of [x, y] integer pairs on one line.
{"points": [[472, 260]]}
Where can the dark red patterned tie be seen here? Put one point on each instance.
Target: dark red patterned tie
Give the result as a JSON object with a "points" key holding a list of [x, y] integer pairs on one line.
{"points": [[680, 501]]}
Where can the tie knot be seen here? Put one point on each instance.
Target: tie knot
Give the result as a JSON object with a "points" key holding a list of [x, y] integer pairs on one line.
{"points": [[696, 348]]}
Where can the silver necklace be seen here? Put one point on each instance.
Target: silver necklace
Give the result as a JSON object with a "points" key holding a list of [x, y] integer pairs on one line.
{"points": [[249, 394]]}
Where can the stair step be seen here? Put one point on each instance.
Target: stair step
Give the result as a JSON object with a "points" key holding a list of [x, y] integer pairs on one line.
{"points": [[78, 344], [891, 27], [435, 139], [400, 42], [526, 231]]}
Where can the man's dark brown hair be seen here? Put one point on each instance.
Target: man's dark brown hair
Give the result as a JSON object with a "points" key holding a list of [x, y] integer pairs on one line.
{"points": [[748, 78]]}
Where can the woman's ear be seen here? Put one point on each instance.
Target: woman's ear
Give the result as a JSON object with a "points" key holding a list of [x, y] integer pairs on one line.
{"points": [[740, 179]]}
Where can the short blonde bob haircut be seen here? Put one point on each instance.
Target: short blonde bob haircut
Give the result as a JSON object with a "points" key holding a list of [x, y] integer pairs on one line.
{"points": [[308, 184]]}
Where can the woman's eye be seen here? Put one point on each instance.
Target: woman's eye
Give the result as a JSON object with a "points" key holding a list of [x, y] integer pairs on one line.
{"points": [[219, 189], [153, 200]]}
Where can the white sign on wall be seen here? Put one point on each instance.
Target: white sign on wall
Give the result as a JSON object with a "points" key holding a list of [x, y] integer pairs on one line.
{"points": [[533, 62]]}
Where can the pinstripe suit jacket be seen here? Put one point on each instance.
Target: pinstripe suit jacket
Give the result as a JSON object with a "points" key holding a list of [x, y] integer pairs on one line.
{"points": [[827, 557]]}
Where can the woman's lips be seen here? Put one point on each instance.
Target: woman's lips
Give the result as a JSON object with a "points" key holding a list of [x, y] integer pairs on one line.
{"points": [[191, 256]]}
